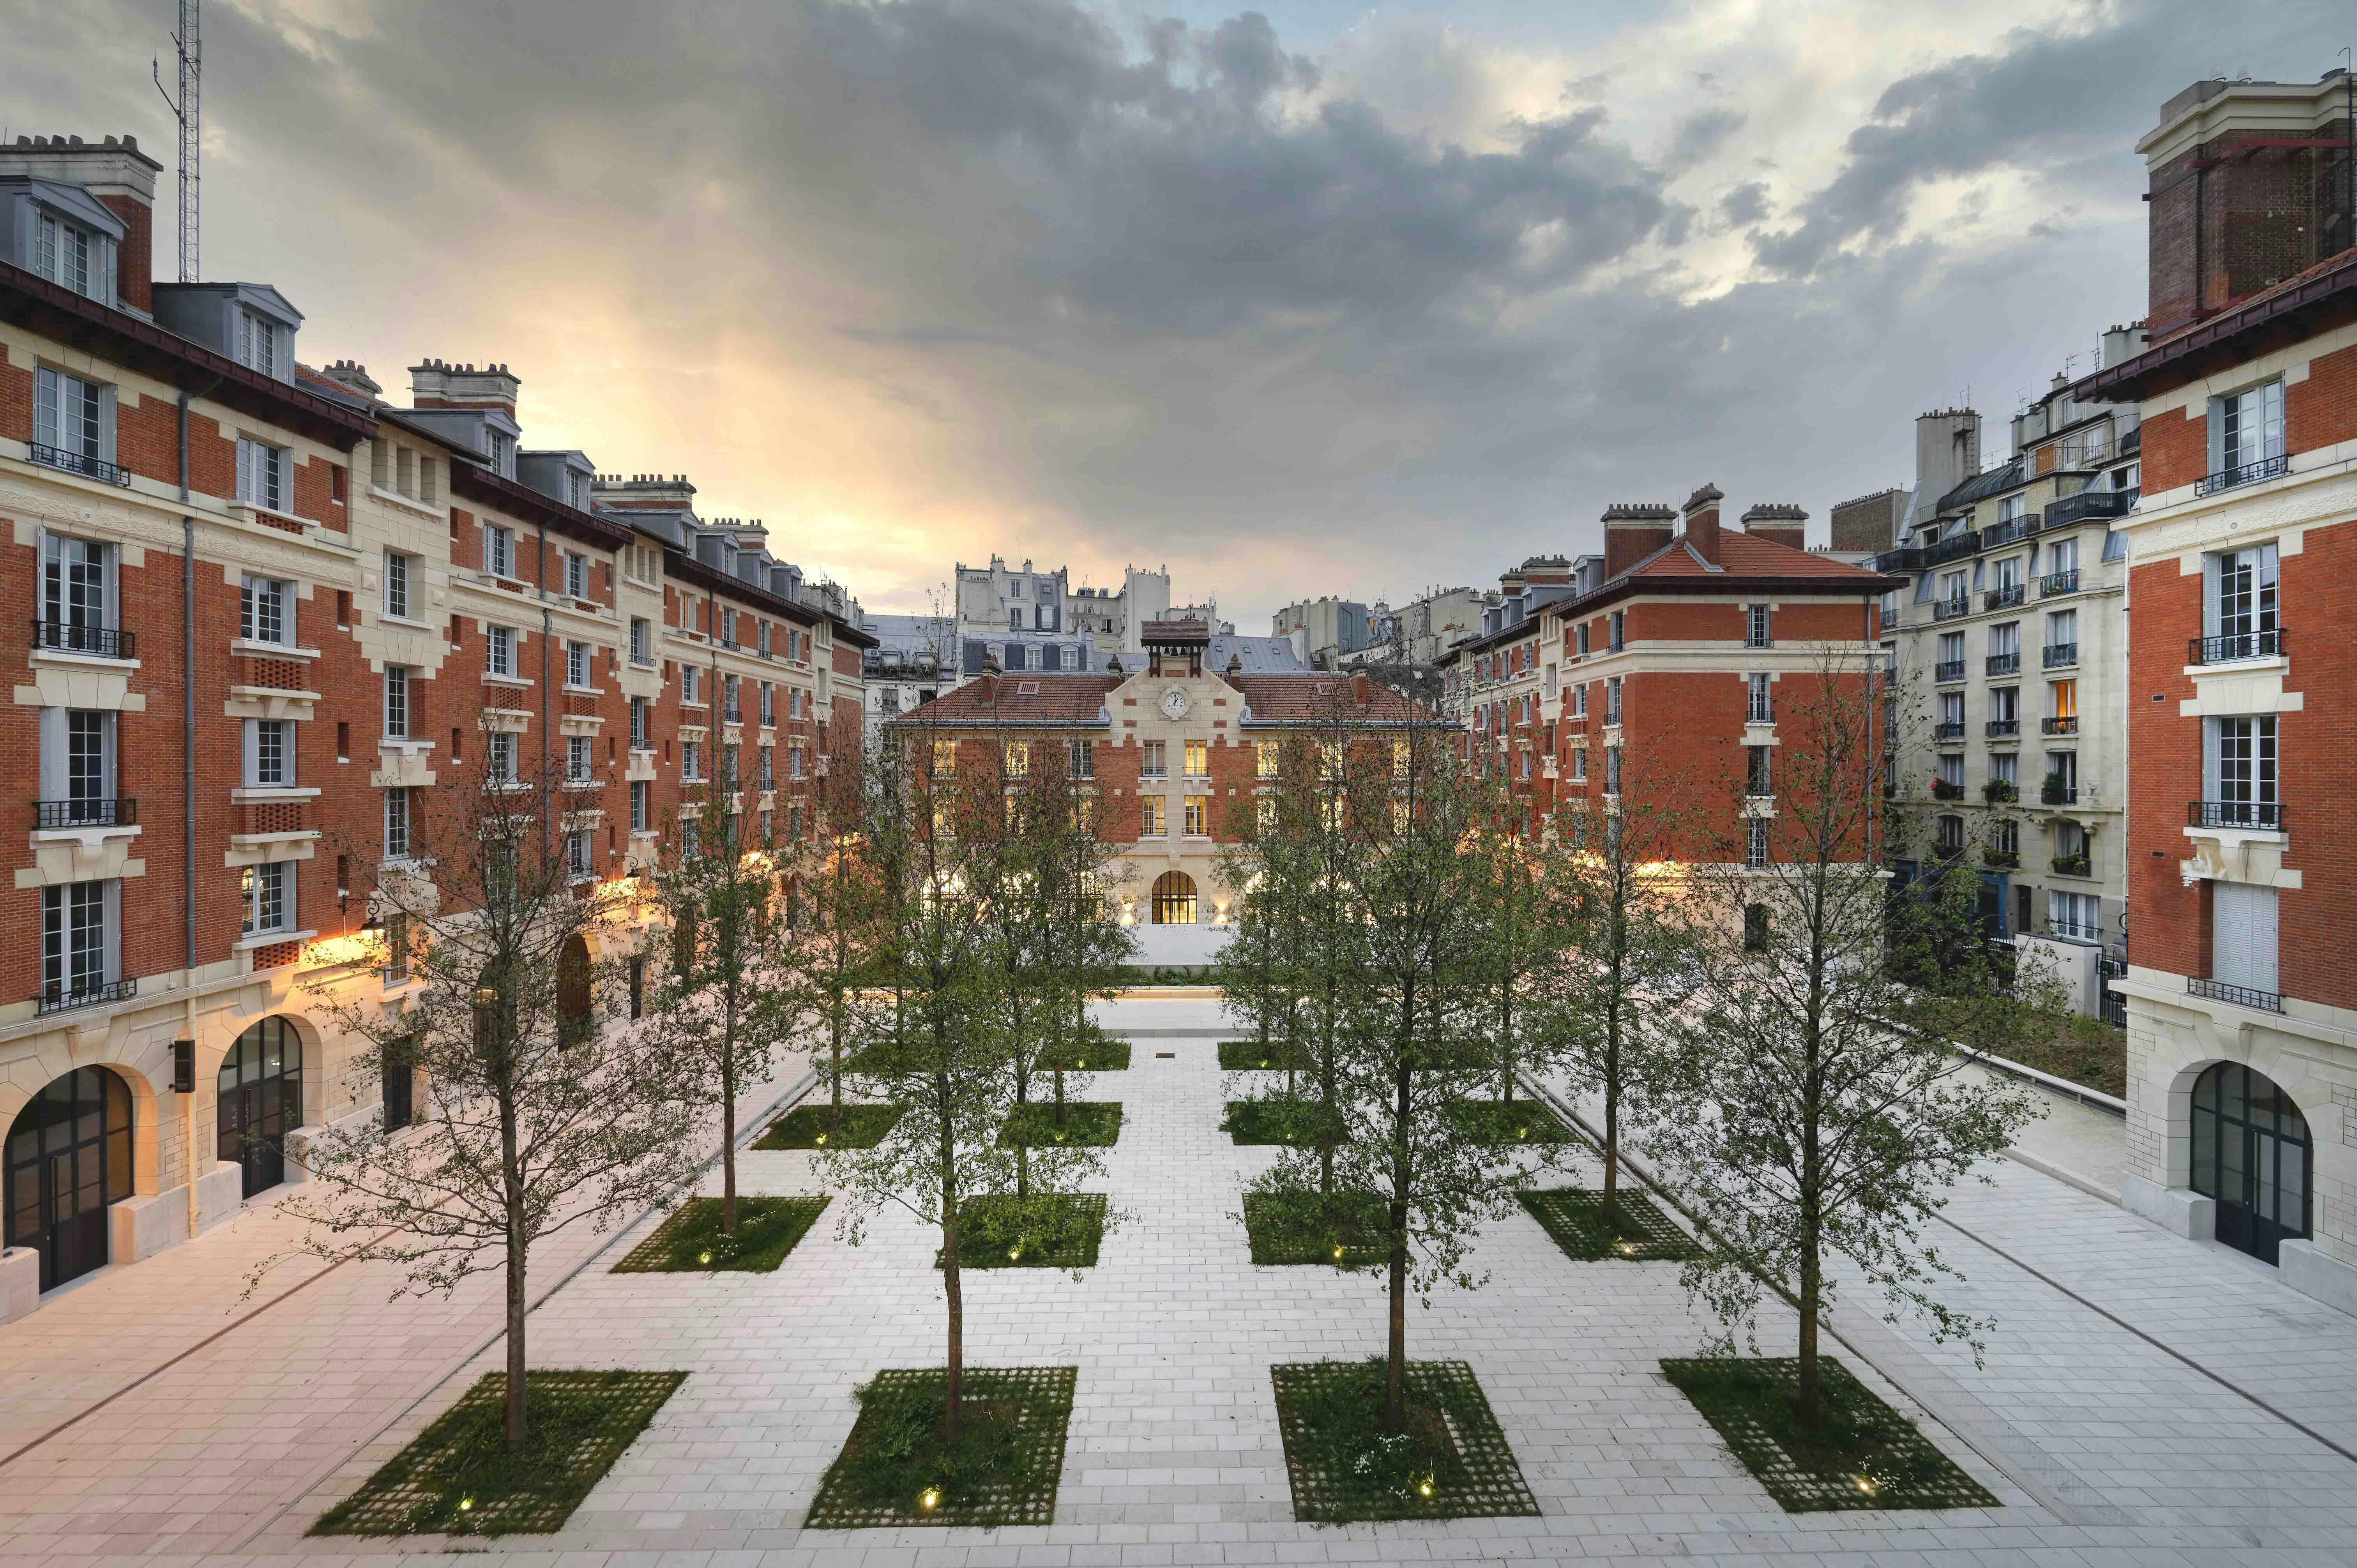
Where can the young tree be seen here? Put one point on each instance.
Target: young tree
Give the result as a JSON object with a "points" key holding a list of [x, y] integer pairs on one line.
{"points": [[715, 1000], [1524, 894], [827, 948], [531, 1124], [937, 1046], [1816, 1120]]}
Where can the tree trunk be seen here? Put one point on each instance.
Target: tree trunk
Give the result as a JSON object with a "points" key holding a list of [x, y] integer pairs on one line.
{"points": [[728, 1133], [1059, 1097], [953, 1380], [1395, 1373], [834, 1062], [1506, 1041], [1807, 1406], [512, 1190], [1612, 1119]]}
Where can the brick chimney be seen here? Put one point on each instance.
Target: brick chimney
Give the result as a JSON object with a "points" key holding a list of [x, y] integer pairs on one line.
{"points": [[354, 375], [437, 383], [1633, 531], [1359, 688], [1701, 522], [119, 178], [1778, 522]]}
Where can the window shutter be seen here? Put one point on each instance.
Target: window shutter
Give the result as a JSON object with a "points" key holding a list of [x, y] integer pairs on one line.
{"points": [[107, 424], [44, 407], [253, 750]]}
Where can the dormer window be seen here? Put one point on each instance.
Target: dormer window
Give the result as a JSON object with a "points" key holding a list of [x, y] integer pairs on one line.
{"points": [[258, 342], [503, 449], [70, 256]]}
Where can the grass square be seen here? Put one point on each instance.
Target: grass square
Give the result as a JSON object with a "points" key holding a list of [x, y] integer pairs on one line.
{"points": [[1302, 1124], [1347, 1232], [1862, 1454], [1250, 1055], [896, 1470], [457, 1477], [690, 1241], [1501, 1121], [1088, 1123], [1574, 1216], [1105, 1056], [805, 1127], [1451, 1462], [1051, 1230]]}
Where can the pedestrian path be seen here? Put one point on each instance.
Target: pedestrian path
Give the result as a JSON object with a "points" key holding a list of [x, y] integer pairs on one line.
{"points": [[2100, 1446]]}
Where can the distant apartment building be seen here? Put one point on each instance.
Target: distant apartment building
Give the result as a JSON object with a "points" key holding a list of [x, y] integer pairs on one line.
{"points": [[2241, 688], [2008, 647], [1419, 633], [1026, 605], [1324, 631]]}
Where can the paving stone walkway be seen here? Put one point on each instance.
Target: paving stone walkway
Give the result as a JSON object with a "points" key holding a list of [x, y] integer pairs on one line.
{"points": [[2100, 1446]]}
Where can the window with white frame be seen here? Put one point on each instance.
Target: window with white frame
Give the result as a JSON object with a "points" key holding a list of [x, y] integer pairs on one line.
{"points": [[73, 422], [1755, 843], [499, 550], [638, 723], [2240, 602], [267, 894], [263, 478], [1612, 771], [258, 347], [691, 759], [691, 683], [1613, 701], [1757, 707], [267, 609], [577, 664], [1755, 627], [769, 767], [500, 756], [396, 702], [729, 774], [576, 760], [641, 641], [638, 805], [501, 449], [396, 824], [499, 650], [77, 592], [2078, 916], [794, 760], [768, 704], [1579, 765], [77, 945], [2012, 508], [576, 574], [269, 754], [396, 583], [2240, 769], [70, 256], [2246, 427], [578, 861], [1951, 770]]}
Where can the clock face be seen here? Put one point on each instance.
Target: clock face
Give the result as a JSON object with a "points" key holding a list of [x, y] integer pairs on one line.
{"points": [[1174, 703]]}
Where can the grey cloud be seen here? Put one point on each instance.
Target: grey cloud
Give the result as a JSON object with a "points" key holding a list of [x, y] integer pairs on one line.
{"points": [[1700, 135], [1746, 204]]}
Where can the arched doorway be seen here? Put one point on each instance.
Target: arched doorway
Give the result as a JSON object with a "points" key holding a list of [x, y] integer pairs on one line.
{"points": [[1174, 900], [574, 1022], [68, 1156], [2252, 1153], [260, 1095]]}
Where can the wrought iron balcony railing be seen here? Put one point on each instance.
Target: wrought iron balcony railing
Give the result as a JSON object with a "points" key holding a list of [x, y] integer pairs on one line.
{"points": [[2240, 995], [79, 463], [75, 636], [2262, 816], [86, 814], [2247, 473], [2235, 645]]}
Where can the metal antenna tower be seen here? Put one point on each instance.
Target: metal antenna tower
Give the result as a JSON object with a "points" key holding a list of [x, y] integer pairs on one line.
{"points": [[192, 62]]}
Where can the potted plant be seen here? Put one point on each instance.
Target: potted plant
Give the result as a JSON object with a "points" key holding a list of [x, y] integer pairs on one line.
{"points": [[1999, 791], [2056, 791], [1943, 790]]}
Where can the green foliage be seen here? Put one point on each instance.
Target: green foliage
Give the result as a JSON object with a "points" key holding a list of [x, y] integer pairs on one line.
{"points": [[1508, 1121], [854, 1127], [899, 1468], [1084, 1124], [1860, 1453], [1248, 1056], [1299, 1123], [1084, 1055], [459, 1476], [1058, 1231], [1341, 1229], [691, 1240], [1640, 1232], [1449, 1460]]}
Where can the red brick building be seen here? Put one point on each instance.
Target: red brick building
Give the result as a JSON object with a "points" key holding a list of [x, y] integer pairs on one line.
{"points": [[2242, 685], [1176, 756], [262, 609]]}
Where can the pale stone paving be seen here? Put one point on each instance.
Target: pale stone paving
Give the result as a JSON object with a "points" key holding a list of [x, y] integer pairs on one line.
{"points": [[1174, 1456]]}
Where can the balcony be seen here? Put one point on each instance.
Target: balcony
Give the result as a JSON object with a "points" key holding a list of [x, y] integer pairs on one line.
{"points": [[73, 636], [2235, 646], [1905, 558], [2002, 598], [2062, 655], [1949, 670], [2002, 729], [2059, 726], [2248, 474], [1949, 732], [2257, 816], [85, 813], [2001, 859], [57, 997], [2074, 865], [1943, 790], [2058, 583], [2087, 506], [2005, 533], [2003, 663], [75, 463], [1954, 548], [2000, 793], [2240, 995], [2052, 794], [1950, 609]]}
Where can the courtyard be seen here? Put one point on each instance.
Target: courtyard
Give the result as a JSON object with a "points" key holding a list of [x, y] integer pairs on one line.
{"points": [[2146, 1399]]}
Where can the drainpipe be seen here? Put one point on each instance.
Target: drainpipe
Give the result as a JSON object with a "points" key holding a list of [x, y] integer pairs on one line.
{"points": [[547, 626], [189, 790]]}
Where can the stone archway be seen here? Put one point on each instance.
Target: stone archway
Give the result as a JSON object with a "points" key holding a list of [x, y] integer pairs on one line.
{"points": [[68, 1156], [1174, 900]]}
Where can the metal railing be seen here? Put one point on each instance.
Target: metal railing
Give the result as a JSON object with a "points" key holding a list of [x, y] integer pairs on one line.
{"points": [[1943, 790], [2072, 865], [56, 998], [2265, 816], [2235, 645], [2003, 664], [1902, 558], [2085, 507], [1954, 548], [2248, 474], [2059, 726], [2062, 655], [73, 636], [2000, 859], [2058, 583], [1949, 670], [86, 814], [2058, 794], [2240, 995], [1999, 729], [76, 463], [1950, 609], [2005, 533], [1949, 729], [2002, 598]]}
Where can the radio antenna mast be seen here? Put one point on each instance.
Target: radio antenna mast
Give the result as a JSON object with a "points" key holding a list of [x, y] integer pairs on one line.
{"points": [[192, 60]]}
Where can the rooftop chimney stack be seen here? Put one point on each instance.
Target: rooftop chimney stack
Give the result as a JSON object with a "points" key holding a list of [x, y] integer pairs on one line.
{"points": [[1778, 522], [117, 176], [1701, 522], [437, 383], [1632, 530]]}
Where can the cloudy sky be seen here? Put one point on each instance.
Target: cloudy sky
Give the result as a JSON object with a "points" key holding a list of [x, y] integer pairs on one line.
{"points": [[1324, 298]]}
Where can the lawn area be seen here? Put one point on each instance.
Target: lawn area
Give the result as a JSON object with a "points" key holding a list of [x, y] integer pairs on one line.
{"points": [[1086, 1124], [1575, 1217], [895, 1469], [1450, 1460], [1346, 1232], [805, 1127], [1495, 1122], [690, 1240], [1105, 1056], [1300, 1123], [457, 1477], [1249, 1056], [1049, 1230]]}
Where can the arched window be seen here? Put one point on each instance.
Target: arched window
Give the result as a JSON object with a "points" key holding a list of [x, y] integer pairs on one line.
{"points": [[2253, 1154], [68, 1156], [260, 1096], [1174, 900]]}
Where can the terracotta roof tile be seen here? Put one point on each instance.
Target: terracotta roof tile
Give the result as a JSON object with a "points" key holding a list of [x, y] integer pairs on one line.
{"points": [[1307, 698], [1037, 699], [1743, 555]]}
